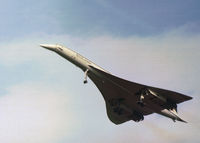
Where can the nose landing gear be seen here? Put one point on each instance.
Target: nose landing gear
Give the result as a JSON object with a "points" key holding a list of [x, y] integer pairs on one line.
{"points": [[86, 75]]}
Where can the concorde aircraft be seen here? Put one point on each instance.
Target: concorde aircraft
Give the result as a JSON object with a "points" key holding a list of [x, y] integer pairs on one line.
{"points": [[125, 100]]}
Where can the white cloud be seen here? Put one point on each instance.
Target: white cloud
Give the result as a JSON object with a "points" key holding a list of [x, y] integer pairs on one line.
{"points": [[32, 113], [25, 49], [170, 56], [156, 60]]}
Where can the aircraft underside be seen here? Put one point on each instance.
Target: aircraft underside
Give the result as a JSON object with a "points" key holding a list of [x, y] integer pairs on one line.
{"points": [[127, 100]]}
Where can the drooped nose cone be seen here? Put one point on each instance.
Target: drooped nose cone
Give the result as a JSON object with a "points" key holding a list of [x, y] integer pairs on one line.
{"points": [[49, 46]]}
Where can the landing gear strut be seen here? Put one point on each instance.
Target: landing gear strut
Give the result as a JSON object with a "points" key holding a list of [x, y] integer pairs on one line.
{"points": [[142, 95], [86, 75], [140, 102]]}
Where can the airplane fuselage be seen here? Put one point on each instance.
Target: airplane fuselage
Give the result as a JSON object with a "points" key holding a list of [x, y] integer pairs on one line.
{"points": [[75, 58]]}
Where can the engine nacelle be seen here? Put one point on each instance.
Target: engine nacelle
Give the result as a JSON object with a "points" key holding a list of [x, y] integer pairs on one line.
{"points": [[171, 105]]}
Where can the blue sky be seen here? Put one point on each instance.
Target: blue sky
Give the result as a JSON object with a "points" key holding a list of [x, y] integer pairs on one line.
{"points": [[42, 96], [96, 17]]}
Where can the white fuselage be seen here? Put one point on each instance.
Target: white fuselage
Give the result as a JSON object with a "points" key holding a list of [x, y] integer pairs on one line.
{"points": [[76, 58]]}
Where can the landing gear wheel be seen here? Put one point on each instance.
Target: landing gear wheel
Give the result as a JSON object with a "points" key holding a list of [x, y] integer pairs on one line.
{"points": [[137, 116], [85, 81]]}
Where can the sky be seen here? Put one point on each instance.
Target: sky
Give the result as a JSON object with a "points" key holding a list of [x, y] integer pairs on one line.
{"points": [[42, 96]]}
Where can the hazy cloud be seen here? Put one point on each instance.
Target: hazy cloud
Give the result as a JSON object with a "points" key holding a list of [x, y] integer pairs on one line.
{"points": [[33, 113], [38, 112]]}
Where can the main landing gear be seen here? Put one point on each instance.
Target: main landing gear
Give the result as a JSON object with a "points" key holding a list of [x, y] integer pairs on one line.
{"points": [[140, 102], [86, 75], [144, 92], [137, 116]]}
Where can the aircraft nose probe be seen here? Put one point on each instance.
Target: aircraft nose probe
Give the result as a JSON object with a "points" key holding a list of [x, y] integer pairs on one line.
{"points": [[48, 46]]}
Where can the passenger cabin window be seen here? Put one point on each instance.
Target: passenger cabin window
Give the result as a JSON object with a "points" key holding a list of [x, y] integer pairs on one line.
{"points": [[60, 49]]}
